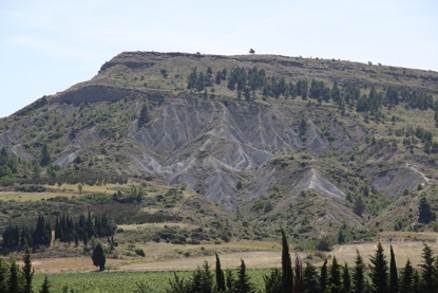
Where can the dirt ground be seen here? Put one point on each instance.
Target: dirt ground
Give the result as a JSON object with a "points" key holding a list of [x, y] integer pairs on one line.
{"points": [[54, 265], [257, 259], [253, 260]]}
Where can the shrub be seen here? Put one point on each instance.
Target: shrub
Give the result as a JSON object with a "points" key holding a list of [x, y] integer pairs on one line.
{"points": [[140, 252]]}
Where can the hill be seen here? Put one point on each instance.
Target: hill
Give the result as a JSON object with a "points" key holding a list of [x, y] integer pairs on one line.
{"points": [[246, 143]]}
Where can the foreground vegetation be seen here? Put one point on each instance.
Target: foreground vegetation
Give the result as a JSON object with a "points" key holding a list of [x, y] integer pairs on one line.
{"points": [[378, 275]]}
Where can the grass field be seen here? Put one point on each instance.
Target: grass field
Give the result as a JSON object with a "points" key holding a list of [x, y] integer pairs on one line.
{"points": [[120, 282]]}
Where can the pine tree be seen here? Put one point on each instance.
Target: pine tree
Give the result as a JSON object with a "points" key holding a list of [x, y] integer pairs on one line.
{"points": [[323, 277], [242, 284], [379, 270], [202, 280], [98, 256], [407, 277], [427, 270], [286, 265], [334, 280], [425, 214], [393, 274], [273, 282], [220, 277], [45, 156], [346, 279], [145, 116], [311, 281], [359, 274]]}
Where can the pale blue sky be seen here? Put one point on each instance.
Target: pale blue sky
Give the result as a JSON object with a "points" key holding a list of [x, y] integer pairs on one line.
{"points": [[48, 45]]}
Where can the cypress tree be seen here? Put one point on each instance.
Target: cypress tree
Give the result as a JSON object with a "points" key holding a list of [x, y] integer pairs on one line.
{"points": [[45, 286], [379, 270], [334, 281], [286, 265], [416, 282], [38, 234], [27, 270], [220, 277], [90, 227], [311, 282], [229, 280], [428, 281], [323, 278], [13, 283], [3, 276], [359, 274], [58, 230], [346, 279], [298, 276], [393, 274]]}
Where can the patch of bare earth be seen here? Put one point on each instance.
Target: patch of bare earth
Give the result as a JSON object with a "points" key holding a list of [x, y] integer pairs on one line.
{"points": [[53, 265], [253, 260]]}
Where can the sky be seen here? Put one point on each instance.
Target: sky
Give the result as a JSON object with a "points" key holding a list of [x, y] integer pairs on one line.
{"points": [[46, 46]]}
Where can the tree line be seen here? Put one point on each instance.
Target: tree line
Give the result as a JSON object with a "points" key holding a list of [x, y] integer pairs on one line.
{"points": [[379, 276], [66, 230], [247, 81]]}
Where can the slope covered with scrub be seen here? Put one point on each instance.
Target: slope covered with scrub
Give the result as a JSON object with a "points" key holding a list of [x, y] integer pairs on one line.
{"points": [[307, 143]]}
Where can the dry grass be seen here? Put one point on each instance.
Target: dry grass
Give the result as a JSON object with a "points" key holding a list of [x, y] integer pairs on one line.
{"points": [[30, 196], [403, 251], [256, 254]]}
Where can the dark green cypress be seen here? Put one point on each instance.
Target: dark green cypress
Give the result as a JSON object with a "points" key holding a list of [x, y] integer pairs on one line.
{"points": [[27, 270], [298, 276], [334, 281], [393, 274], [13, 283], [230, 281], [359, 274], [45, 156], [3, 276], [45, 286], [286, 265], [323, 277], [220, 277], [379, 270], [242, 284], [346, 279]]}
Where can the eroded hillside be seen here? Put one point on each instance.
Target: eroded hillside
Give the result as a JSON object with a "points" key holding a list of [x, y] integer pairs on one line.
{"points": [[311, 144]]}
